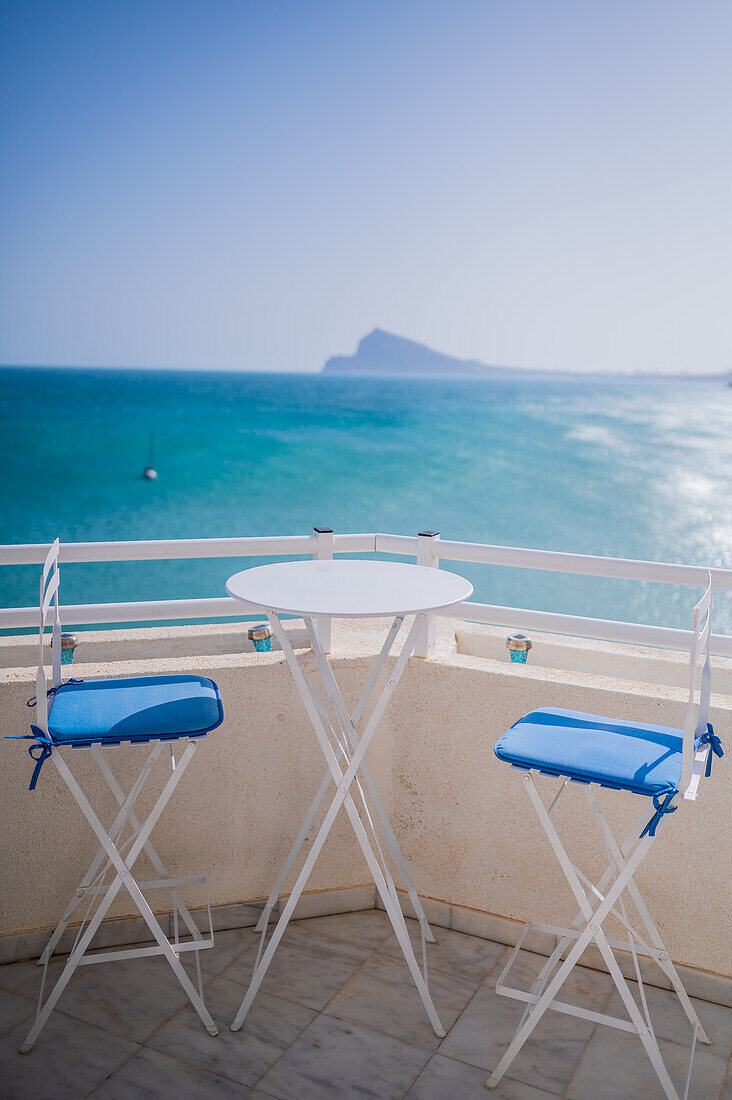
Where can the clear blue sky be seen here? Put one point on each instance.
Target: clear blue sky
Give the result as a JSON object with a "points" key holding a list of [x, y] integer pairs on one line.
{"points": [[257, 185]]}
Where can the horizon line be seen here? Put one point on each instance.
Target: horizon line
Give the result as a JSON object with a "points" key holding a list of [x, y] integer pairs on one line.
{"points": [[526, 373]]}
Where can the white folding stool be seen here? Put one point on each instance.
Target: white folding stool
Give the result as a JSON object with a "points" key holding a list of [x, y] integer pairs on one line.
{"points": [[666, 764], [94, 714]]}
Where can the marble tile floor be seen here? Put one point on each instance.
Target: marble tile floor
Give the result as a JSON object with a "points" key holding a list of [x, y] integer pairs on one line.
{"points": [[337, 1017]]}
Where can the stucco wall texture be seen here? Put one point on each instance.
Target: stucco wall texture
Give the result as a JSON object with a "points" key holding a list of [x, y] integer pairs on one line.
{"points": [[463, 820]]}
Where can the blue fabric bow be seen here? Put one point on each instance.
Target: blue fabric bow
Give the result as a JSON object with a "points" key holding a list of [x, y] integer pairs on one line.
{"points": [[715, 747], [42, 743], [661, 808]]}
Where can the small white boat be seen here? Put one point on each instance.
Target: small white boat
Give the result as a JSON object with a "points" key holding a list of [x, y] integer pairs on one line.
{"points": [[150, 473]]}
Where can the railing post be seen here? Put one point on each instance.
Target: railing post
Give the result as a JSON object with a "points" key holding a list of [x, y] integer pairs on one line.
{"points": [[427, 556], [324, 552]]}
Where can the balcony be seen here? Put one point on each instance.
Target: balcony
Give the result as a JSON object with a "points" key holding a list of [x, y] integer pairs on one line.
{"points": [[482, 865]]}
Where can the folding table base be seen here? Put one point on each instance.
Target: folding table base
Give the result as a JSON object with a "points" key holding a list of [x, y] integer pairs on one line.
{"points": [[344, 752]]}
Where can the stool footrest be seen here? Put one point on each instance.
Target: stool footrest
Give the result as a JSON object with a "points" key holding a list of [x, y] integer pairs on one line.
{"points": [[531, 998], [144, 952], [574, 934], [568, 1009], [153, 884]]}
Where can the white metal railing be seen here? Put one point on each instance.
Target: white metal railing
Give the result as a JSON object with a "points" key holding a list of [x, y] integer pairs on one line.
{"points": [[428, 548]]}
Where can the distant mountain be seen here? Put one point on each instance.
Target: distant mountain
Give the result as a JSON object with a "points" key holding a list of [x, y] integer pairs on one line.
{"points": [[383, 353]]}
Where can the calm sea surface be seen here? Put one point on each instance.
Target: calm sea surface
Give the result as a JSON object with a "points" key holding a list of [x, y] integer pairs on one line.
{"points": [[640, 470]]}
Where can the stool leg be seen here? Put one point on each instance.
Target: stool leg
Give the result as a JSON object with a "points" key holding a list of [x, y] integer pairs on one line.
{"points": [[665, 964], [591, 932], [118, 824], [156, 861], [122, 877]]}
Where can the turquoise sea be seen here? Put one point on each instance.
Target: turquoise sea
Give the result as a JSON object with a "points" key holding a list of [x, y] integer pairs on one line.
{"points": [[631, 469]]}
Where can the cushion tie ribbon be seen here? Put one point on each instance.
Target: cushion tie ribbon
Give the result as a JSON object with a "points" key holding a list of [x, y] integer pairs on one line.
{"points": [[52, 691], [661, 808], [715, 747], [39, 751]]}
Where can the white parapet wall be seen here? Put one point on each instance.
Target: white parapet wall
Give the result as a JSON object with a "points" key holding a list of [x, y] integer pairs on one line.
{"points": [[462, 818]]}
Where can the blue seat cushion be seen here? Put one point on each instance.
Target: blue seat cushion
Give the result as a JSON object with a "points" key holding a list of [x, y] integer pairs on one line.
{"points": [[628, 756], [139, 708]]}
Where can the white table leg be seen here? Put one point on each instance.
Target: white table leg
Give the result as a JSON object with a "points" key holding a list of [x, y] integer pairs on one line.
{"points": [[342, 797], [387, 833], [349, 730]]}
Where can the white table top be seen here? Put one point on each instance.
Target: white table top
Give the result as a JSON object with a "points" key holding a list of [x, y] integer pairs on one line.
{"points": [[348, 588]]}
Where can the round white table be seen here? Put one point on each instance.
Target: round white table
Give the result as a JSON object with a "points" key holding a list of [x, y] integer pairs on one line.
{"points": [[348, 589]]}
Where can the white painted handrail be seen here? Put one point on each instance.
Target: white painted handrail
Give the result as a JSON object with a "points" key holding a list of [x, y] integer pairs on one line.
{"points": [[31, 553], [307, 545], [559, 562], [608, 630], [79, 614], [22, 618]]}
